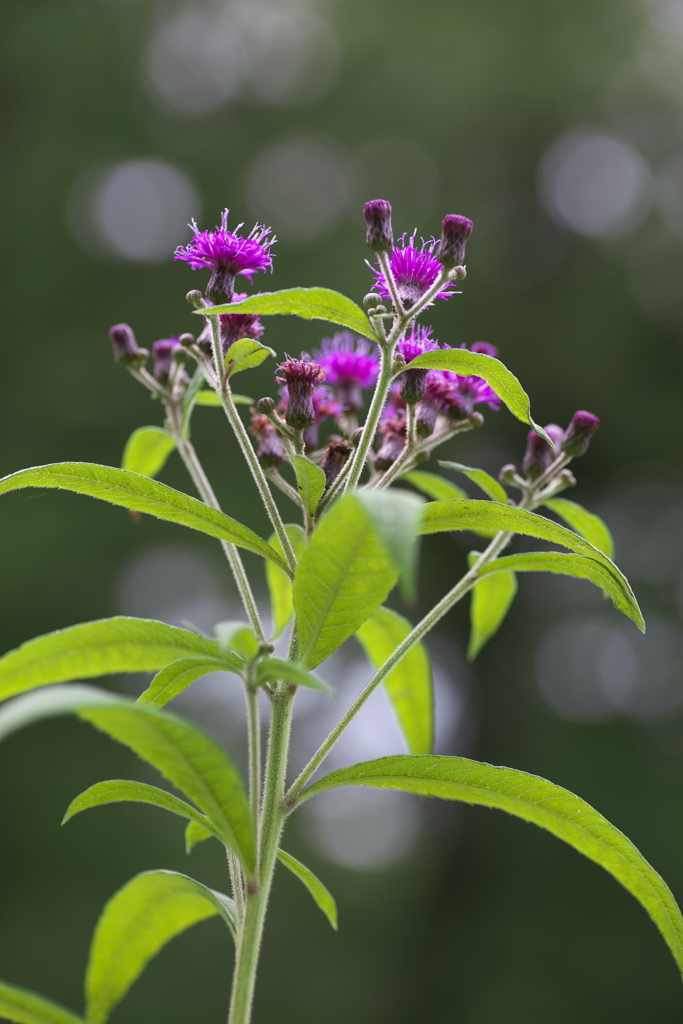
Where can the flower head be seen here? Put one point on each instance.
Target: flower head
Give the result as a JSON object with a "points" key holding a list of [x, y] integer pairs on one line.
{"points": [[379, 236], [455, 231], [235, 326], [125, 346], [350, 363], [227, 254], [539, 455], [301, 377], [270, 450], [413, 381], [414, 269], [163, 353], [579, 432]]}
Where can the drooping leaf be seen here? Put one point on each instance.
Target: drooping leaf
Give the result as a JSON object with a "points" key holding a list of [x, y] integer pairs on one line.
{"points": [[146, 450], [119, 487], [490, 603], [579, 566], [115, 791], [535, 800], [104, 647], [322, 896], [432, 485], [211, 398], [182, 752], [467, 515], [239, 637], [483, 480], [279, 583], [310, 481], [469, 364], [275, 670], [195, 834], [23, 1007], [137, 922], [409, 685], [397, 515], [584, 522], [245, 354], [308, 303], [342, 576], [176, 677]]}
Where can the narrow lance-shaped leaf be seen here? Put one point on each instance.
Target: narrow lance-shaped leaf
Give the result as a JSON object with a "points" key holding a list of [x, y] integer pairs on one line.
{"points": [[432, 485], [483, 480], [308, 303], [353, 560], [184, 754], [212, 399], [468, 515], [23, 1007], [279, 583], [579, 566], [469, 364], [176, 677], [322, 896], [409, 685], [115, 791], [104, 647], [146, 450], [137, 922], [584, 522], [490, 603], [119, 487], [535, 800], [275, 670], [310, 481]]}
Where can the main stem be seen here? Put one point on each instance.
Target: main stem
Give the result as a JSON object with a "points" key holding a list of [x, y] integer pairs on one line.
{"points": [[374, 413], [272, 819]]}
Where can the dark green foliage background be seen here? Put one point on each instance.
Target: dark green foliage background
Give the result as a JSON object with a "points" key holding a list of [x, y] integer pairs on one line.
{"points": [[489, 920]]}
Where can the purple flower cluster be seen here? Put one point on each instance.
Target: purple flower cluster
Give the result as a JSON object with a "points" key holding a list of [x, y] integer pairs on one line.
{"points": [[350, 364], [227, 254], [235, 326], [415, 269]]}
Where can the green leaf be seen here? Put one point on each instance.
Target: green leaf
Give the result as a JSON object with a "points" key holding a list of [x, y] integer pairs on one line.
{"points": [[468, 364], [579, 566], [211, 398], [146, 450], [104, 647], [279, 583], [483, 480], [245, 354], [141, 494], [409, 685], [468, 515], [535, 800], [397, 515], [195, 834], [182, 752], [176, 677], [308, 303], [115, 791], [342, 576], [22, 1007], [274, 670], [584, 522], [491, 600], [137, 922], [239, 637], [321, 895], [432, 485], [311, 482]]}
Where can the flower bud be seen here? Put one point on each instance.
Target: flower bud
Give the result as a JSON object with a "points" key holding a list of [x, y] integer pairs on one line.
{"points": [[413, 385], [186, 340], [371, 300], [335, 457], [380, 236], [123, 342], [394, 433], [163, 354], [539, 455], [455, 231], [265, 406], [195, 298], [270, 452], [301, 377], [579, 432]]}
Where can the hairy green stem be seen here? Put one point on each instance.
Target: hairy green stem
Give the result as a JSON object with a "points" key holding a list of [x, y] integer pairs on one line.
{"points": [[254, 737], [374, 412]]}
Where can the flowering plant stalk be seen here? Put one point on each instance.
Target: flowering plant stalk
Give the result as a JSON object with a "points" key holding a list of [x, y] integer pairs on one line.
{"points": [[358, 491]]}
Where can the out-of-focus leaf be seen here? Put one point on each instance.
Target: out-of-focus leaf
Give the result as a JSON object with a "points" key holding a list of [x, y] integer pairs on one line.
{"points": [[22, 1007], [432, 485], [279, 583], [584, 522], [119, 487], [245, 354], [146, 450], [308, 303], [483, 480], [491, 600], [239, 637], [409, 685], [195, 834], [398, 516], [274, 670], [211, 398], [535, 800], [104, 647], [322, 896], [310, 481], [137, 922]]}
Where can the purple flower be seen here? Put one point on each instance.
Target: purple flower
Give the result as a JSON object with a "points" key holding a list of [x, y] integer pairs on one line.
{"points": [[415, 270], [227, 254], [539, 455], [235, 326], [473, 391], [579, 432], [301, 377], [350, 364], [413, 382], [335, 456], [379, 236], [125, 346]]}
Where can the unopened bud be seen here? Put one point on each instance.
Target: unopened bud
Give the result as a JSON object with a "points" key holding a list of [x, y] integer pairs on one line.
{"points": [[186, 340], [414, 385], [539, 455], [508, 474], [356, 436], [455, 231], [380, 235], [265, 406], [270, 452], [398, 363], [579, 432], [335, 457], [123, 342], [164, 354], [371, 299], [195, 298]]}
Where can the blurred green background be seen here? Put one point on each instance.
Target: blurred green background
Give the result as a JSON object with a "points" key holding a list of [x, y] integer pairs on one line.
{"points": [[558, 128]]}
